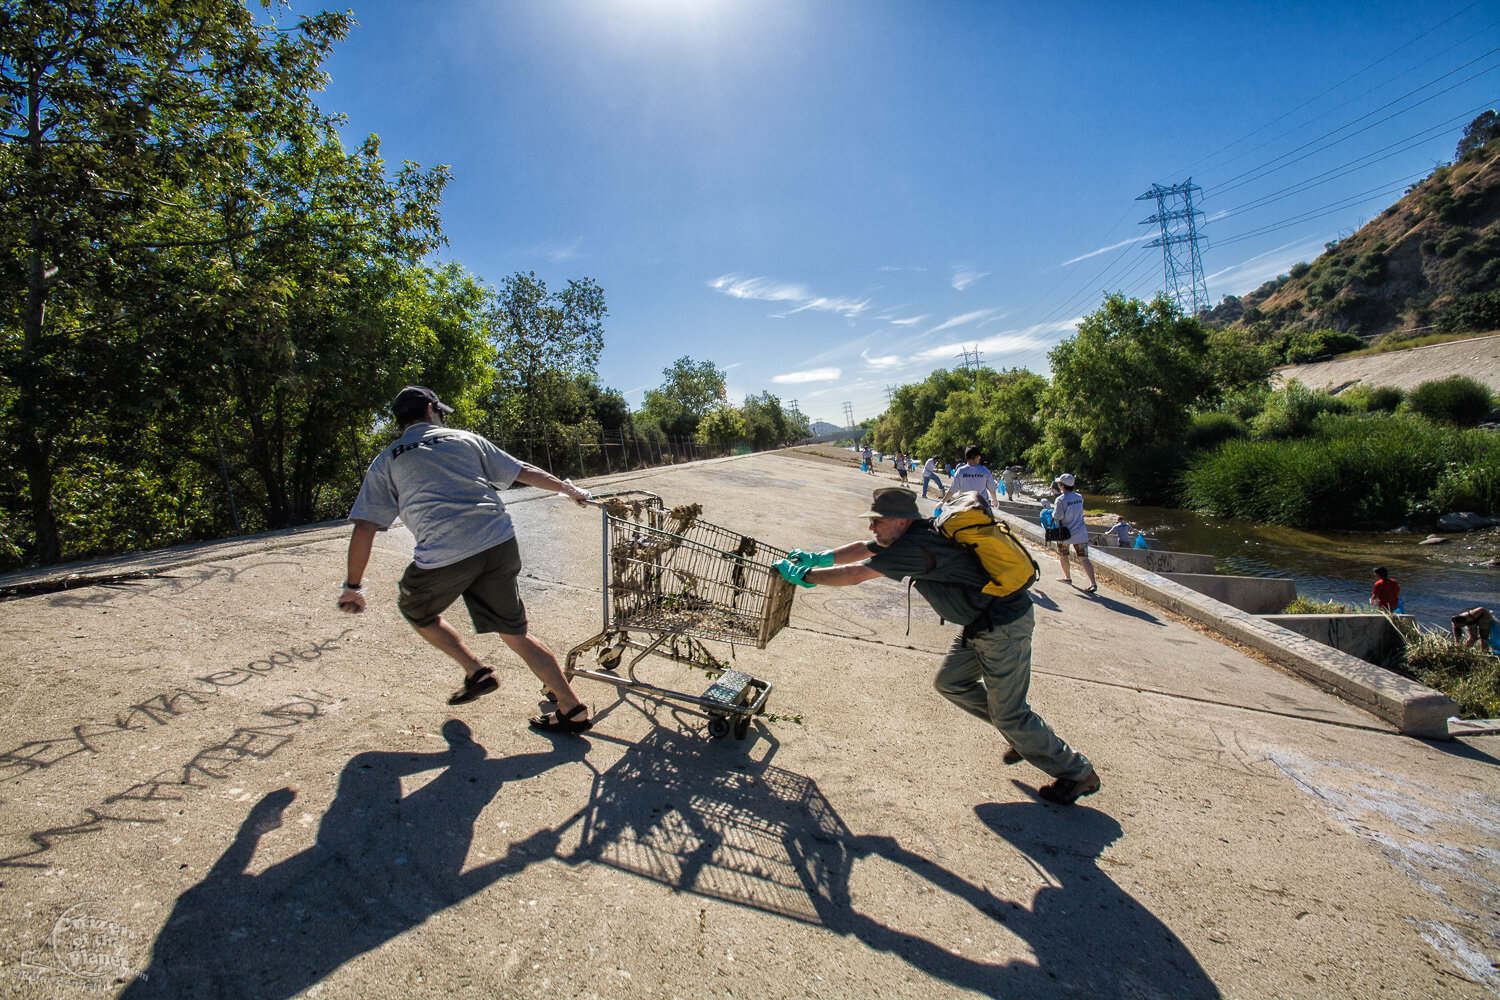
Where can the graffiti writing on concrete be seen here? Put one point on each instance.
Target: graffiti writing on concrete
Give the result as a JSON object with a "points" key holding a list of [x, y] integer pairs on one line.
{"points": [[161, 586], [158, 710], [142, 802]]}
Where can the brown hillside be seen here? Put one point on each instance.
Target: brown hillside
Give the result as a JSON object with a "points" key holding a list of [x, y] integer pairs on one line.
{"points": [[1437, 246]]}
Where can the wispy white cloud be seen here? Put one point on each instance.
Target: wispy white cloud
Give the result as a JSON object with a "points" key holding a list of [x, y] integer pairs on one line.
{"points": [[907, 321], [965, 275], [886, 361], [1249, 274], [899, 267], [796, 295], [1095, 253], [1029, 339], [964, 319], [555, 250], [813, 375], [728, 368]]}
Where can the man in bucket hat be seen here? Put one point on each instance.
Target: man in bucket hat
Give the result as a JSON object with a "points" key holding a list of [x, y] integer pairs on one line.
{"points": [[987, 670], [445, 485]]}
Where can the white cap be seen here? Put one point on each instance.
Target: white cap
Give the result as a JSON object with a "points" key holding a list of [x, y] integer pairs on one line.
{"points": [[1066, 479]]}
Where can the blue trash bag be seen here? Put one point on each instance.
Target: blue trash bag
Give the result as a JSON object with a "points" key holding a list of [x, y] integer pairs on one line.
{"points": [[1045, 517], [1140, 541], [937, 511], [1495, 640], [1400, 606]]}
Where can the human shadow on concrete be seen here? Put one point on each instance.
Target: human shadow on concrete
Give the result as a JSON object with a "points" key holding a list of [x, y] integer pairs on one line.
{"points": [[1121, 608], [383, 863], [704, 818], [1091, 938]]}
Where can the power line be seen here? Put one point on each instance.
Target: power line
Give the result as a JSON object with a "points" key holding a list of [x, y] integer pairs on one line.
{"points": [[1237, 180], [1313, 100]]}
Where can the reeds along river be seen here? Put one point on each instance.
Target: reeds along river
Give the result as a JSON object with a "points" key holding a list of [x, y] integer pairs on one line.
{"points": [[1437, 581]]}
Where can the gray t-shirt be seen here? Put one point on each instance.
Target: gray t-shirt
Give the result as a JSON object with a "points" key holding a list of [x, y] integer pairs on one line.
{"points": [[1067, 511], [953, 582], [445, 484]]}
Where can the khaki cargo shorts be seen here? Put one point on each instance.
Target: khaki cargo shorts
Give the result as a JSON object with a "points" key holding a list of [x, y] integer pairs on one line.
{"points": [[486, 581]]}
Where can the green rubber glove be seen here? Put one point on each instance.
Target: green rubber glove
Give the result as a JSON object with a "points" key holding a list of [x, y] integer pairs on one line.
{"points": [[794, 572], [815, 559]]}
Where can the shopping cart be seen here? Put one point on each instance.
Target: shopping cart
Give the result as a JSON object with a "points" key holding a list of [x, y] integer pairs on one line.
{"points": [[677, 581]]}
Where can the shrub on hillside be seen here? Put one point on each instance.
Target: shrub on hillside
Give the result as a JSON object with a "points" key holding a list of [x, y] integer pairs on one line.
{"points": [[1471, 312], [1383, 399], [1290, 411], [1373, 399], [1455, 400], [1351, 470], [1209, 430], [1304, 346]]}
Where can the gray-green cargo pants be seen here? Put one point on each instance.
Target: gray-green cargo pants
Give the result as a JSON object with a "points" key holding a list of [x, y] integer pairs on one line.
{"points": [[988, 676]]}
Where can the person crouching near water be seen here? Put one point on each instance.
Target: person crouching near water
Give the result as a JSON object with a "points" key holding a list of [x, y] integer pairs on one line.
{"points": [[1386, 593], [987, 670], [1067, 511]]}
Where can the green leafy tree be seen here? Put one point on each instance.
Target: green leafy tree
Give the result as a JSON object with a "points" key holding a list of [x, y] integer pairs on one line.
{"points": [[723, 425], [913, 408], [1129, 378], [547, 348], [110, 112], [768, 423], [691, 389], [1477, 133]]}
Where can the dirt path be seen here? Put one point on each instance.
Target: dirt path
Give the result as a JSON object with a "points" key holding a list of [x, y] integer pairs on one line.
{"points": [[1478, 358]]}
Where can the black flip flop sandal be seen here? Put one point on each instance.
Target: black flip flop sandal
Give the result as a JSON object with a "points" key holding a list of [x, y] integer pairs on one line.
{"points": [[562, 722], [481, 681]]}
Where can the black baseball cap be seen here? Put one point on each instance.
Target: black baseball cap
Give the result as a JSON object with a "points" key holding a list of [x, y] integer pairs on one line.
{"points": [[414, 400]]}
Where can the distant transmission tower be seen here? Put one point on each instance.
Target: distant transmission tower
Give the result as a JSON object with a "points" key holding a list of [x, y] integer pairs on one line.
{"points": [[971, 359], [890, 395], [1180, 243], [848, 414]]}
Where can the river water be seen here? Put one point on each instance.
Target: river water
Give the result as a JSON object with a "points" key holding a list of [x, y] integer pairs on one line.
{"points": [[1437, 581]]}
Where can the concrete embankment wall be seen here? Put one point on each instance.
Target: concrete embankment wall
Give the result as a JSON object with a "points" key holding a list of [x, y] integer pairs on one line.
{"points": [[1414, 708], [1370, 637]]}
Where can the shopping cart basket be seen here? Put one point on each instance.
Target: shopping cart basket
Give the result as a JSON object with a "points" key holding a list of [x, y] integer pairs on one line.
{"points": [[677, 580]]}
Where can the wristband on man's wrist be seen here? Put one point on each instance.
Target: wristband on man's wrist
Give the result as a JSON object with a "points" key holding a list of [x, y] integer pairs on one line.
{"points": [[352, 586]]}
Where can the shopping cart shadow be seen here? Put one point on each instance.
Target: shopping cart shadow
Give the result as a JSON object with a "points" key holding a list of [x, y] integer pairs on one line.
{"points": [[704, 818]]}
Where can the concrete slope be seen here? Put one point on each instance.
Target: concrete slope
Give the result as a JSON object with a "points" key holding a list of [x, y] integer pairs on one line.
{"points": [[1478, 358], [214, 776]]}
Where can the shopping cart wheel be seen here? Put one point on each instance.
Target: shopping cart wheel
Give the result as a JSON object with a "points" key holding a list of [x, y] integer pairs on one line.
{"points": [[718, 727], [742, 727]]}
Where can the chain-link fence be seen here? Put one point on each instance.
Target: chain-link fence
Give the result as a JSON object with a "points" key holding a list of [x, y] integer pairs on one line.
{"points": [[575, 454]]}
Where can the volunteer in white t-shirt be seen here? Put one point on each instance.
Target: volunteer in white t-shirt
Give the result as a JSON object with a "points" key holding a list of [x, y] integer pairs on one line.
{"points": [[973, 477], [1067, 511]]}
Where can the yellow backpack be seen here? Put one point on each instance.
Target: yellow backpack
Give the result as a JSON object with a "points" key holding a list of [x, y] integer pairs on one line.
{"points": [[966, 519]]}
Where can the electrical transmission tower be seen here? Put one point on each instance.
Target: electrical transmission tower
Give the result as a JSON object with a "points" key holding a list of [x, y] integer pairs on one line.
{"points": [[1180, 243], [848, 414], [890, 395], [971, 359]]}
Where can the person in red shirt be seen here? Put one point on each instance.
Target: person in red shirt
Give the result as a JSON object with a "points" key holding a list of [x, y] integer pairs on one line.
{"points": [[1386, 591]]}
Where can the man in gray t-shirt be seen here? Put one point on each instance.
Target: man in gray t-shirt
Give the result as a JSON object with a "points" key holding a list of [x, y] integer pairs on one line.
{"points": [[445, 486], [987, 670]]}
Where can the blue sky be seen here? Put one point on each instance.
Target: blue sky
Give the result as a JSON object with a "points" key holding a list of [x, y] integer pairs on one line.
{"points": [[829, 198]]}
